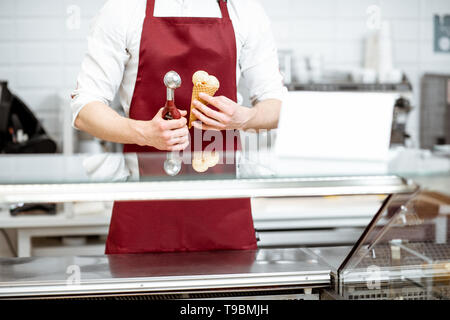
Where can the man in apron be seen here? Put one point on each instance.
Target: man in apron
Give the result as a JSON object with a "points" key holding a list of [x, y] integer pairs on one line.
{"points": [[132, 45]]}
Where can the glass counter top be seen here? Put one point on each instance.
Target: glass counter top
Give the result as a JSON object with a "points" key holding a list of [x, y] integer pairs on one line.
{"points": [[132, 167], [153, 176]]}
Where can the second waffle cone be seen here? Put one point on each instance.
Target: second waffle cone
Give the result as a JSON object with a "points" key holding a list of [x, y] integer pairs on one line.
{"points": [[200, 88]]}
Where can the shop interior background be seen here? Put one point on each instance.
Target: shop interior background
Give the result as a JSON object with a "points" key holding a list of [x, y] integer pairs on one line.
{"points": [[42, 43]]}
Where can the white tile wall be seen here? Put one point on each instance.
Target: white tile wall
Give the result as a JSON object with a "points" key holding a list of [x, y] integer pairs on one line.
{"points": [[400, 8], [408, 29], [7, 8], [341, 28], [352, 9], [349, 29], [44, 52], [7, 29], [7, 53], [40, 56], [40, 8]]}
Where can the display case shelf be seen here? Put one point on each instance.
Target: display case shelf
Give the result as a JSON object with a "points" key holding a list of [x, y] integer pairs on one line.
{"points": [[204, 189]]}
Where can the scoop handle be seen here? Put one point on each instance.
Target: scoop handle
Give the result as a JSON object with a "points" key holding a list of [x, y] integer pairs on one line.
{"points": [[170, 111]]}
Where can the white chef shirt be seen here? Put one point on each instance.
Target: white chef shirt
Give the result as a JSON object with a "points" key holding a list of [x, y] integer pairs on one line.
{"points": [[112, 59]]}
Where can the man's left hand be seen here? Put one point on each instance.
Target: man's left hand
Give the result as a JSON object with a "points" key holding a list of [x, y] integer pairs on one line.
{"points": [[229, 114]]}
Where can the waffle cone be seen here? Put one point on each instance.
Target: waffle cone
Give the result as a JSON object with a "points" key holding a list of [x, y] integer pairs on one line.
{"points": [[196, 90]]}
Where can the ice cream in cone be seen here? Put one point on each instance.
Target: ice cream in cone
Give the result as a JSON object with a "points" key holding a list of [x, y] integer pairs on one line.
{"points": [[203, 83], [199, 164], [203, 160]]}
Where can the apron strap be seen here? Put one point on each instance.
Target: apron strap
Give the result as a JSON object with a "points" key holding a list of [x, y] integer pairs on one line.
{"points": [[224, 9], [150, 8], [222, 4]]}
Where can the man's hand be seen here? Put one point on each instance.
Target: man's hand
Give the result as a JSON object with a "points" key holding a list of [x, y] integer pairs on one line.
{"points": [[229, 116], [168, 135]]}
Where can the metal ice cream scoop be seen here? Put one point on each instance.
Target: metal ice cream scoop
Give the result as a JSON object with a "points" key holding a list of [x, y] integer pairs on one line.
{"points": [[172, 165], [172, 81]]}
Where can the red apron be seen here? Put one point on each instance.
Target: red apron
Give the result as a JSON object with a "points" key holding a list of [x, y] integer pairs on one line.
{"points": [[185, 45]]}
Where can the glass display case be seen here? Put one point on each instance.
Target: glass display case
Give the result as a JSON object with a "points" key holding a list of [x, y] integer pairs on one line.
{"points": [[402, 254]]}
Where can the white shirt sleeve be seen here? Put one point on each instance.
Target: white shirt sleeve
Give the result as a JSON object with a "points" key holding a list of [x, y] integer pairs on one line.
{"points": [[259, 57], [104, 63]]}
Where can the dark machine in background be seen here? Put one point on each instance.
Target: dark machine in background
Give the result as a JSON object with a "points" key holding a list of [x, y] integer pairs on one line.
{"points": [[22, 133], [20, 130], [435, 111]]}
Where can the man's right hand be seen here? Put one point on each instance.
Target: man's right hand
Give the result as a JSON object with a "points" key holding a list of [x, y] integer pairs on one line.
{"points": [[167, 135]]}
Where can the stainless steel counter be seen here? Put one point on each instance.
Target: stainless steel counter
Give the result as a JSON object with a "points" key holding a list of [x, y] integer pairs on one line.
{"points": [[168, 272]]}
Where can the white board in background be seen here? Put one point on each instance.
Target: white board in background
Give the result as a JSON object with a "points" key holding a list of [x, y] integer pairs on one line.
{"points": [[335, 125]]}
